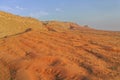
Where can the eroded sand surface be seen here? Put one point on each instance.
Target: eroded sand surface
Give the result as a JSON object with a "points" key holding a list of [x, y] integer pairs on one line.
{"points": [[57, 51]]}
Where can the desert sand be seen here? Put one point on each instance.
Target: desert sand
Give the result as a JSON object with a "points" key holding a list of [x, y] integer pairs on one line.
{"points": [[51, 50]]}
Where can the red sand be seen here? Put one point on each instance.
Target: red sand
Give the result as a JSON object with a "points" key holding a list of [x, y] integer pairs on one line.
{"points": [[56, 52]]}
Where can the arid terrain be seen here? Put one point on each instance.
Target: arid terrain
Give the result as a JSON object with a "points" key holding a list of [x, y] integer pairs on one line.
{"points": [[51, 50]]}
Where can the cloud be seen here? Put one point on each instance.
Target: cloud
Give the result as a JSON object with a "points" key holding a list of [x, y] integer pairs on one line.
{"points": [[12, 9], [6, 8], [20, 8], [39, 14], [58, 10]]}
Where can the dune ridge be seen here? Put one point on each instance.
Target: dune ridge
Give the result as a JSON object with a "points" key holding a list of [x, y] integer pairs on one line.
{"points": [[51, 50]]}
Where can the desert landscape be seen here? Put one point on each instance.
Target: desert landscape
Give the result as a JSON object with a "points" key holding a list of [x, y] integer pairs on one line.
{"points": [[52, 50]]}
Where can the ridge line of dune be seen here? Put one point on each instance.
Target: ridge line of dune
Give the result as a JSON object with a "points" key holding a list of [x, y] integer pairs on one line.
{"points": [[27, 30]]}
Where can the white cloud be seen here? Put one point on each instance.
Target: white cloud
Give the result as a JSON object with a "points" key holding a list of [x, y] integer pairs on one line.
{"points": [[6, 8], [58, 10], [11, 9], [20, 8], [39, 14]]}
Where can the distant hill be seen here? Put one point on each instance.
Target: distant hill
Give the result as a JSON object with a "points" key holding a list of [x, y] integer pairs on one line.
{"points": [[13, 24]]}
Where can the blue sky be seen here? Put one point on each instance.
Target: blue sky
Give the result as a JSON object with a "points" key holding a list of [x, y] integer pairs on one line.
{"points": [[99, 14]]}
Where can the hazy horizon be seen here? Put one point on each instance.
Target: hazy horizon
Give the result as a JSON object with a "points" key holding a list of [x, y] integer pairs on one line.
{"points": [[97, 14]]}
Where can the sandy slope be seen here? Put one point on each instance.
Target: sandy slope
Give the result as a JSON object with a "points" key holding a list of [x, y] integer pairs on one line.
{"points": [[57, 51]]}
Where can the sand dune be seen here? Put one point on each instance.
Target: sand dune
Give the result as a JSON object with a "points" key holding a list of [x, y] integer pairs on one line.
{"points": [[52, 50]]}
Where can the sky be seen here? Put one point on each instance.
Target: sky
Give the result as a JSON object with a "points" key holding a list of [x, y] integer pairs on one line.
{"points": [[99, 14]]}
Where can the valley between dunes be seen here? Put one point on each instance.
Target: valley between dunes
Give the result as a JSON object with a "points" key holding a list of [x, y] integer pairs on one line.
{"points": [[35, 50]]}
